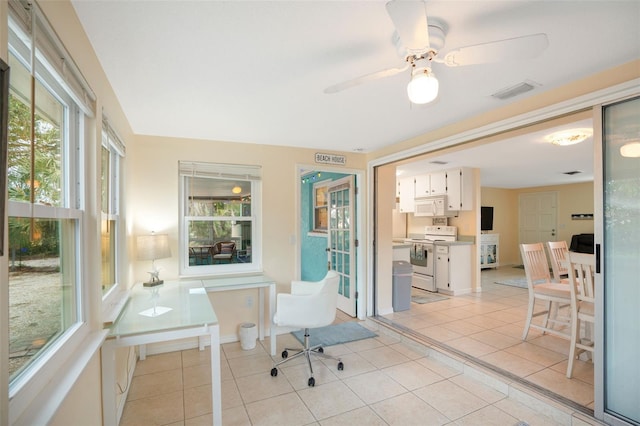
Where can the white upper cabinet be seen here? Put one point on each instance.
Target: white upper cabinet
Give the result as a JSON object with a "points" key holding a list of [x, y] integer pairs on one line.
{"points": [[438, 183], [406, 191], [428, 185], [423, 186], [460, 189]]}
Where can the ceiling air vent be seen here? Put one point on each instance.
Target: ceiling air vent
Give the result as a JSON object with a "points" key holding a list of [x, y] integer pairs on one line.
{"points": [[516, 90], [571, 173], [439, 162]]}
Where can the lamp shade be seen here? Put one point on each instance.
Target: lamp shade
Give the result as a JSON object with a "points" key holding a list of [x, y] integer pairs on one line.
{"points": [[423, 87], [154, 246]]}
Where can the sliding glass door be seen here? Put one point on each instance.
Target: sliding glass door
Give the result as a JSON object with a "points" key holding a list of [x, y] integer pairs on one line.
{"points": [[620, 261]]}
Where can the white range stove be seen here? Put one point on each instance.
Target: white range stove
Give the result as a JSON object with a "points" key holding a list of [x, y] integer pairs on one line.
{"points": [[422, 254]]}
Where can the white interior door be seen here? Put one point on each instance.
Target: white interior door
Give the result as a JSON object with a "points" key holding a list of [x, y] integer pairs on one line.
{"points": [[341, 241], [538, 217]]}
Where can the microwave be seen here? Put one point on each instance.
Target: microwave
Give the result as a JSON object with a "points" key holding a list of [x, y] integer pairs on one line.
{"points": [[432, 206]]}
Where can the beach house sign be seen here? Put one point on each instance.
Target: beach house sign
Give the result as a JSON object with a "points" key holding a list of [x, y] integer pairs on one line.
{"points": [[330, 158]]}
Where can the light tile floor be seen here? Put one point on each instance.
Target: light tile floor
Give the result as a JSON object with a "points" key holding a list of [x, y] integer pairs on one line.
{"points": [[387, 380], [489, 325]]}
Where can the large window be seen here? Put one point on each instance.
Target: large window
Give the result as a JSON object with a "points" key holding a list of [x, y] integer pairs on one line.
{"points": [[48, 102], [112, 152], [220, 211]]}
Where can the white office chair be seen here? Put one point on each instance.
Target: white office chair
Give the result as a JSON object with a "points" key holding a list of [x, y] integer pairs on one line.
{"points": [[309, 305]]}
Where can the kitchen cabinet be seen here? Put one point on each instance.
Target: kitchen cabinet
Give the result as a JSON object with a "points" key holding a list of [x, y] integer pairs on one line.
{"points": [[406, 191], [438, 183], [453, 268], [460, 186], [489, 250], [431, 184]]}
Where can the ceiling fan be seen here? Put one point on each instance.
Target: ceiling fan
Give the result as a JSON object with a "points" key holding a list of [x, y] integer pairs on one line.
{"points": [[422, 39]]}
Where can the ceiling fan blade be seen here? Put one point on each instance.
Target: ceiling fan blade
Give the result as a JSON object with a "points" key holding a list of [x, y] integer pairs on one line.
{"points": [[365, 78], [410, 20], [525, 47]]}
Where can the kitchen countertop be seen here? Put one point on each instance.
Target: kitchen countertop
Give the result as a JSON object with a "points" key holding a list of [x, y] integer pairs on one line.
{"points": [[452, 243], [397, 244]]}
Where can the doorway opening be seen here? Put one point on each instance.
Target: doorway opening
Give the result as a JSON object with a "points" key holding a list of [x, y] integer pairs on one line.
{"points": [[486, 326], [329, 231]]}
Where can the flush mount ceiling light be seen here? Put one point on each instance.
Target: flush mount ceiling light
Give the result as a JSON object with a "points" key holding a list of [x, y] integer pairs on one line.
{"points": [[569, 137], [423, 87], [236, 189], [630, 149]]}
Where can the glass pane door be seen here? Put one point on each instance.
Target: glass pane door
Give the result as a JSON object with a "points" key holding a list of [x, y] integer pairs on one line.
{"points": [[621, 259], [341, 241]]}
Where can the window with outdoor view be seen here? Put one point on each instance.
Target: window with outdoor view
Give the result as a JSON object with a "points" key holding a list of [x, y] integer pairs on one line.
{"points": [[112, 152], [220, 210], [47, 108]]}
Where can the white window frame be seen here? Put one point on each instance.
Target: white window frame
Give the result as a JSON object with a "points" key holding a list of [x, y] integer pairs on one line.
{"points": [[57, 72], [317, 185], [251, 174], [116, 148]]}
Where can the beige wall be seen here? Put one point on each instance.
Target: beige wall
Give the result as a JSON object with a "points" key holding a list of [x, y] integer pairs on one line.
{"points": [[152, 205], [83, 403], [385, 203], [575, 198]]}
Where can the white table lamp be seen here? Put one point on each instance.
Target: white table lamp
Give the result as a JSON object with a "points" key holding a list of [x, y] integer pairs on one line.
{"points": [[152, 247]]}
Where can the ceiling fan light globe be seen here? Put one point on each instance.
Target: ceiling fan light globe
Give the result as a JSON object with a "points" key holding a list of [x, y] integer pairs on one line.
{"points": [[423, 87], [630, 150]]}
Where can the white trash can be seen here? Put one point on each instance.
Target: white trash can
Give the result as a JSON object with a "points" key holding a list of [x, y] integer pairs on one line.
{"points": [[248, 335]]}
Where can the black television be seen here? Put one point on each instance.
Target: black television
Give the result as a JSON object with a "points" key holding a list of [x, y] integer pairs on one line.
{"points": [[486, 218]]}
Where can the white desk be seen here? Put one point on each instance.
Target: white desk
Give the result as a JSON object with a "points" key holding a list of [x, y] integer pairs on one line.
{"points": [[173, 310], [245, 282]]}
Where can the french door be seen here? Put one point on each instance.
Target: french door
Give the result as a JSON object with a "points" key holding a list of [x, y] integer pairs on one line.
{"points": [[341, 241]]}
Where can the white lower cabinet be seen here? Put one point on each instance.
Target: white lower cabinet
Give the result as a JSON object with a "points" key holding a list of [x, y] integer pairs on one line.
{"points": [[489, 250], [453, 268]]}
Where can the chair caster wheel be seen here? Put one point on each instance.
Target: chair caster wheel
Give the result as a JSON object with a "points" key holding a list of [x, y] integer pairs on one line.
{"points": [[321, 350], [285, 354], [274, 372], [311, 382], [340, 366]]}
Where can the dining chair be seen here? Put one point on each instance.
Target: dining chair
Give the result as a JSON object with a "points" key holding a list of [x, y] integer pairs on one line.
{"points": [[581, 268], [557, 254], [541, 288]]}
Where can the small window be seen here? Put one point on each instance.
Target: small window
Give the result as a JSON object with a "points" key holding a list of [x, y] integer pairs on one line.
{"points": [[320, 207], [220, 211]]}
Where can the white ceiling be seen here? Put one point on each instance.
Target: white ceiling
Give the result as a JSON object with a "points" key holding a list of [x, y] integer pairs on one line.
{"points": [[519, 162], [255, 72]]}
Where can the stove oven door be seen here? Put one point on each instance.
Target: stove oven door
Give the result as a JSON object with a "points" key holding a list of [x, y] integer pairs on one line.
{"points": [[421, 257]]}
